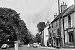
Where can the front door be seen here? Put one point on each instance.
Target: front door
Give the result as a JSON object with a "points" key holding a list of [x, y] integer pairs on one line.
{"points": [[71, 37]]}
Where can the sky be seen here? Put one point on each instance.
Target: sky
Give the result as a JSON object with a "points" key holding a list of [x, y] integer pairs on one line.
{"points": [[34, 11]]}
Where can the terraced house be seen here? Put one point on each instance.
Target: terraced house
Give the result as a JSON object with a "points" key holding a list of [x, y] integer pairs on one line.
{"points": [[63, 27]]}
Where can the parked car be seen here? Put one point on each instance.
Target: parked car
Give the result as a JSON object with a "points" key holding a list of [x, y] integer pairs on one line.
{"points": [[30, 45], [35, 45], [4, 46]]}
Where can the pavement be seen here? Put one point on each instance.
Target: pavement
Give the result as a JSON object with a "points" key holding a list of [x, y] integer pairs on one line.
{"points": [[57, 48], [52, 48], [47, 48]]}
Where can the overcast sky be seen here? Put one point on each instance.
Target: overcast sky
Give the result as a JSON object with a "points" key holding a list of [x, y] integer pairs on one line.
{"points": [[33, 11]]}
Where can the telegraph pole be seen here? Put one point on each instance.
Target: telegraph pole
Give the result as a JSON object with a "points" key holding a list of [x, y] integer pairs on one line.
{"points": [[58, 7], [59, 24], [74, 2]]}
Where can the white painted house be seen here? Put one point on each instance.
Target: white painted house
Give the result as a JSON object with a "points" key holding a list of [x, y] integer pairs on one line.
{"points": [[46, 35]]}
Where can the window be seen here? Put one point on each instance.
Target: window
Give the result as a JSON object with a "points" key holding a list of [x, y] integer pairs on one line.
{"points": [[69, 18], [56, 23], [52, 31], [58, 31], [52, 25], [69, 21]]}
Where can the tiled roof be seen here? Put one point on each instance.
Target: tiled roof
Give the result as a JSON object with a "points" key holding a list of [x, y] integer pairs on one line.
{"points": [[69, 10]]}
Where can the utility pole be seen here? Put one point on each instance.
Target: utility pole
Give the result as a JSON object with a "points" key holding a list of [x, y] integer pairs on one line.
{"points": [[58, 7], [74, 2], [59, 23]]}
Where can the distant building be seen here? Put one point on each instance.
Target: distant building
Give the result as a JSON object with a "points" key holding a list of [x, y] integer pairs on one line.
{"points": [[45, 35]]}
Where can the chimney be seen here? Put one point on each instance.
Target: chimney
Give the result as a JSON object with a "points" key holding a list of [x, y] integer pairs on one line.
{"points": [[63, 7]]}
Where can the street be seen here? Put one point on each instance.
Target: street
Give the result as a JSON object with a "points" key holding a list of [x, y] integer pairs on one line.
{"points": [[27, 48], [42, 24], [40, 48]]}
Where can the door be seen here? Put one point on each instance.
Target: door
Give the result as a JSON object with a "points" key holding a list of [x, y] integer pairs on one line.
{"points": [[71, 37]]}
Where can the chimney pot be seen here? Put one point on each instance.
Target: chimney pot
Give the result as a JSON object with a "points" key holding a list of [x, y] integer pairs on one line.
{"points": [[63, 3], [55, 15], [63, 7]]}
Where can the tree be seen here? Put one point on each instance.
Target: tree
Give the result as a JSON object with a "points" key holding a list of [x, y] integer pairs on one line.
{"points": [[8, 21], [11, 23], [41, 26], [38, 38]]}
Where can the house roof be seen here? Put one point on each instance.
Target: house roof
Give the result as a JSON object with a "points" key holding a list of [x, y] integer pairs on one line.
{"points": [[67, 11]]}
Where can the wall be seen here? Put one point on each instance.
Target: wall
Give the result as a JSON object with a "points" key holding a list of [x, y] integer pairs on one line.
{"points": [[46, 36], [55, 27], [73, 19], [61, 28], [66, 26], [73, 22], [54, 33]]}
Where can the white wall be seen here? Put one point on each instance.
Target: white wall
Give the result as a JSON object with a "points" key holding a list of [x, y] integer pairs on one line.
{"points": [[73, 19], [66, 26], [57, 23], [46, 35], [66, 37], [73, 22], [61, 28], [65, 22]]}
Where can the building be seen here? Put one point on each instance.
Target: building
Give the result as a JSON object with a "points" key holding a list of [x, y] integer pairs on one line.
{"points": [[63, 27], [44, 35], [69, 25]]}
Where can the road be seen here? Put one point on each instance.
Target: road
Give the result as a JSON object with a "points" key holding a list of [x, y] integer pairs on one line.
{"points": [[43, 48], [26, 48]]}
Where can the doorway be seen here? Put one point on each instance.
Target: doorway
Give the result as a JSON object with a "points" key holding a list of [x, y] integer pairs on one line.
{"points": [[71, 36]]}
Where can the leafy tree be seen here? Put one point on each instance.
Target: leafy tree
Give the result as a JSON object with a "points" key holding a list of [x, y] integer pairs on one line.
{"points": [[8, 21], [41, 26], [11, 24], [38, 38]]}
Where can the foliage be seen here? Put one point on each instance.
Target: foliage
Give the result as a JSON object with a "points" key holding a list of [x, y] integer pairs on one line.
{"points": [[41, 26], [8, 22], [11, 23], [38, 38]]}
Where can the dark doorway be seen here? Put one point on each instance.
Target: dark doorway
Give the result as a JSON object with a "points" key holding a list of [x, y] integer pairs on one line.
{"points": [[71, 37]]}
